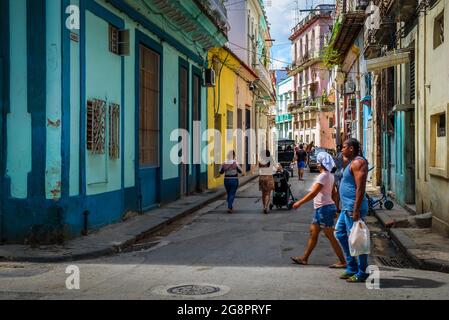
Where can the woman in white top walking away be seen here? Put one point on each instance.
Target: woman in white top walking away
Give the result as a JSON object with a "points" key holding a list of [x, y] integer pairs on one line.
{"points": [[325, 197], [267, 166]]}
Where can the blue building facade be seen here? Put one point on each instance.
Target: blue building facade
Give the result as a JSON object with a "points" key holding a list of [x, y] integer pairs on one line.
{"points": [[92, 93]]}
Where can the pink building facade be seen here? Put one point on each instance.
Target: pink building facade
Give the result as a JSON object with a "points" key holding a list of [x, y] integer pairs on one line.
{"points": [[313, 116]]}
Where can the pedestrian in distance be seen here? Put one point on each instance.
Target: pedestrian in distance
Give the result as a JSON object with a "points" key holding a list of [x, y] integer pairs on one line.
{"points": [[231, 169], [354, 206], [339, 163], [325, 201], [301, 160], [267, 167]]}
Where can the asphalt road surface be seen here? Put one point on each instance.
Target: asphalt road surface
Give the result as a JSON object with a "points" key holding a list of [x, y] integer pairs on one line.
{"points": [[216, 255]]}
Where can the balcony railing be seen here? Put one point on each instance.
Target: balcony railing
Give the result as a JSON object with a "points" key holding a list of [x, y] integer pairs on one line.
{"points": [[354, 5], [320, 11]]}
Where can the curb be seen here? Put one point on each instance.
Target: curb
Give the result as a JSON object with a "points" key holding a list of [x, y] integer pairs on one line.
{"points": [[406, 245], [122, 246]]}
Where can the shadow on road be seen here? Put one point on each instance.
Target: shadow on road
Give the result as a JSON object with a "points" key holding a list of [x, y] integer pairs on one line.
{"points": [[409, 283]]}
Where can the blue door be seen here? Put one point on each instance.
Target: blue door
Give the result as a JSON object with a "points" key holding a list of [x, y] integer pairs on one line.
{"points": [[184, 124], [148, 122]]}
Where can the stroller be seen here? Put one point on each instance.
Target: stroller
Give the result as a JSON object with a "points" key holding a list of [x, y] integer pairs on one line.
{"points": [[282, 196]]}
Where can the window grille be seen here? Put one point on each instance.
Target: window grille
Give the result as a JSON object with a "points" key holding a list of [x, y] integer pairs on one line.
{"points": [[96, 126], [114, 131]]}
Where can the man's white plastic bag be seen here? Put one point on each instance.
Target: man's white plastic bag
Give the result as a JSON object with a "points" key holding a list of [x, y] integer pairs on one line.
{"points": [[359, 239]]}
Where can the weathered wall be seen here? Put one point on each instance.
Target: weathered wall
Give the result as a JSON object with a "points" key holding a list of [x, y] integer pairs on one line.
{"points": [[432, 184]]}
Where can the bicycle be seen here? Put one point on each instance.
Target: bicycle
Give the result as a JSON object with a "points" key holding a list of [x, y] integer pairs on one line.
{"points": [[381, 202]]}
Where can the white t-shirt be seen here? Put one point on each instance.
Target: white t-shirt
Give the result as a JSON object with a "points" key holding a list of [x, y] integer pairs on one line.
{"points": [[324, 197], [269, 171]]}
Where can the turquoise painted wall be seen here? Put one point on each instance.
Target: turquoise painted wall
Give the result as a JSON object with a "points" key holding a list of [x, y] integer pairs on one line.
{"points": [[75, 104], [18, 163], [170, 113], [103, 81], [54, 100], [130, 103]]}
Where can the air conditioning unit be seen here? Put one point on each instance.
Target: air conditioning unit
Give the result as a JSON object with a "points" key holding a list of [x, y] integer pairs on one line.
{"points": [[209, 78]]}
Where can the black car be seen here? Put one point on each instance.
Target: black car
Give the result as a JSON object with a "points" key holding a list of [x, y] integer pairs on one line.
{"points": [[313, 164]]}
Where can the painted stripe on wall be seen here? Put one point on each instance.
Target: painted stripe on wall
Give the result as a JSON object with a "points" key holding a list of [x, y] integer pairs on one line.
{"points": [[18, 163], [36, 39], [53, 178]]}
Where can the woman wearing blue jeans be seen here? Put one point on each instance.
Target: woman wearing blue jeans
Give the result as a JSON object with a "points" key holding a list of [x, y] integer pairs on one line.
{"points": [[231, 170]]}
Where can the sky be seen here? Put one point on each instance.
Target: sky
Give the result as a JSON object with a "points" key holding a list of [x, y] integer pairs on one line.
{"points": [[281, 17]]}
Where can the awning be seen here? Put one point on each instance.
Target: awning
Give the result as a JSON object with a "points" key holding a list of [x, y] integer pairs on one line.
{"points": [[390, 60]]}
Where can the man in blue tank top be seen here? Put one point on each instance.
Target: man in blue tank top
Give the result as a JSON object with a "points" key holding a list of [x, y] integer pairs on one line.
{"points": [[354, 206]]}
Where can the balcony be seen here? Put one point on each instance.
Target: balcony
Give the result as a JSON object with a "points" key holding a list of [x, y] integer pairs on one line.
{"points": [[265, 79], [309, 58], [201, 21], [376, 39], [350, 23], [217, 12], [321, 11]]}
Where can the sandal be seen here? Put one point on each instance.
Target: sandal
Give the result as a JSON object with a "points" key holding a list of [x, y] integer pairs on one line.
{"points": [[298, 261], [338, 266], [346, 276], [355, 279]]}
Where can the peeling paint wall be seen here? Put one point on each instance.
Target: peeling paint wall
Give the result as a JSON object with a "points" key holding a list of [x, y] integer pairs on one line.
{"points": [[54, 101]]}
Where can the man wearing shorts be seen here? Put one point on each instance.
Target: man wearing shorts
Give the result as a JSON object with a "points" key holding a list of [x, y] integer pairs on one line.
{"points": [[301, 159]]}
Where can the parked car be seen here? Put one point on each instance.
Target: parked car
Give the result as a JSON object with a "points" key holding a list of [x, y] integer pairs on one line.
{"points": [[313, 165]]}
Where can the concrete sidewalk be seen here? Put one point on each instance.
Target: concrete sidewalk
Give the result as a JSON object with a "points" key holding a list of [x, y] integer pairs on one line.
{"points": [[425, 249], [116, 237]]}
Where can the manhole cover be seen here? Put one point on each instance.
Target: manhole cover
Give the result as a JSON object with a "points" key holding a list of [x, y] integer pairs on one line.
{"points": [[193, 290]]}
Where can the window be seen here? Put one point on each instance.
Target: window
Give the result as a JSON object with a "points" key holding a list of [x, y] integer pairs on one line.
{"points": [[438, 30], [439, 151], [149, 107], [114, 131], [113, 39], [217, 146], [331, 122], [229, 124], [118, 41], [313, 123], [441, 125], [239, 119], [96, 126]]}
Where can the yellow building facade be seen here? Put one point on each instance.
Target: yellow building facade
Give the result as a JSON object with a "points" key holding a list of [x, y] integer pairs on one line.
{"points": [[230, 107]]}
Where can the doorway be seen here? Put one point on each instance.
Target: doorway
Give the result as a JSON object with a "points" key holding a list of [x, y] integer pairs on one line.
{"points": [[148, 172], [184, 124]]}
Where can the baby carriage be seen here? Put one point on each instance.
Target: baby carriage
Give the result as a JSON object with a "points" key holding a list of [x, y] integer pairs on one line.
{"points": [[282, 195]]}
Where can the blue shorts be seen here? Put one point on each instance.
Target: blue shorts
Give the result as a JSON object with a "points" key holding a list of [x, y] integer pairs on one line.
{"points": [[325, 216], [301, 165]]}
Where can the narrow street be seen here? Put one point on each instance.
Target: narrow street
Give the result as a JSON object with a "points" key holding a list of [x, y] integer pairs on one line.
{"points": [[245, 255]]}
